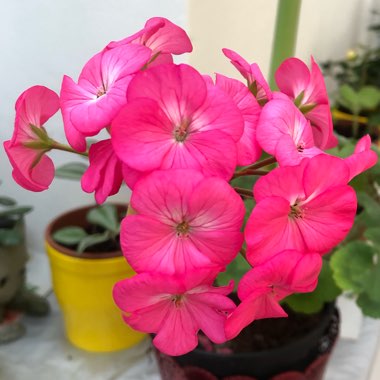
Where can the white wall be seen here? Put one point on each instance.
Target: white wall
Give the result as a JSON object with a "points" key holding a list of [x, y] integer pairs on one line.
{"points": [[40, 40]]}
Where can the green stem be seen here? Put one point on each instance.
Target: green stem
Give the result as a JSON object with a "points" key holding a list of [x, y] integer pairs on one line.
{"points": [[285, 35], [249, 172], [257, 165], [244, 192], [66, 148]]}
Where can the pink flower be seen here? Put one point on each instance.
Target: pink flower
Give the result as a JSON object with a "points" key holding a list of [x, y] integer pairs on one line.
{"points": [[308, 207], [175, 119], [252, 73], [104, 175], [32, 169], [162, 37], [248, 150], [184, 221], [307, 89], [90, 105], [363, 157], [175, 308], [261, 289], [285, 132]]}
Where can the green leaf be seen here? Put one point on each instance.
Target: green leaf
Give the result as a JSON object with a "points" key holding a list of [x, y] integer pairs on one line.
{"points": [[349, 98], [234, 271], [73, 170], [6, 201], [371, 213], [69, 235], [10, 237], [369, 307], [373, 234], [369, 97], [15, 211], [91, 240], [105, 216], [351, 265], [326, 291]]}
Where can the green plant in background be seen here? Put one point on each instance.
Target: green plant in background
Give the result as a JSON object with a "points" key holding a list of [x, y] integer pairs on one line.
{"points": [[357, 103]]}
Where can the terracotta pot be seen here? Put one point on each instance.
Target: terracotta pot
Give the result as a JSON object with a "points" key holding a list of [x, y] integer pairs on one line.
{"points": [[304, 358], [83, 286]]}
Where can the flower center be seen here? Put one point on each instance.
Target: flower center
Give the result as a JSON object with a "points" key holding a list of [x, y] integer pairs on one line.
{"points": [[296, 212], [181, 131], [182, 229], [300, 147], [102, 91], [177, 300]]}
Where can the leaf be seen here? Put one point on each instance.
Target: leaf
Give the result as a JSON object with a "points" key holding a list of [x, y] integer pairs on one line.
{"points": [[234, 271], [6, 201], [69, 235], [91, 240], [349, 98], [10, 237], [373, 234], [369, 97], [15, 211], [73, 170], [371, 213], [369, 307], [351, 264], [105, 216], [326, 291]]}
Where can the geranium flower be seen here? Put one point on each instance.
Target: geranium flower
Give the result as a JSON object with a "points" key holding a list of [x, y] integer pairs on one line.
{"points": [[261, 289], [175, 119], [90, 105], [307, 88], [32, 169], [248, 150], [104, 175], [285, 132], [184, 221], [252, 73], [363, 157], [175, 308], [308, 207], [161, 36]]}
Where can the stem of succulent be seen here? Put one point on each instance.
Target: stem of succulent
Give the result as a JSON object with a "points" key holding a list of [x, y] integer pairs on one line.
{"points": [[244, 192], [66, 148]]}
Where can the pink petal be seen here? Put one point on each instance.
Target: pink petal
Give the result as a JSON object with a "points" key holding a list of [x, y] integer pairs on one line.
{"points": [[247, 148], [363, 157], [240, 63], [131, 176], [327, 218], [292, 77], [316, 91]]}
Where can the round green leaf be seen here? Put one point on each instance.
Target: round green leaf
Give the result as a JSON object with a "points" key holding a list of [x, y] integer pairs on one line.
{"points": [[69, 235], [105, 216], [91, 240], [73, 170]]}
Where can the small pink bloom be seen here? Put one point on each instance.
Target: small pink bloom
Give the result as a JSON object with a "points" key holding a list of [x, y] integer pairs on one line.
{"points": [[104, 175], [32, 169], [248, 150], [183, 221], [252, 73], [308, 207], [175, 119], [175, 308], [285, 132], [294, 79], [162, 37], [363, 157], [261, 289], [90, 105]]}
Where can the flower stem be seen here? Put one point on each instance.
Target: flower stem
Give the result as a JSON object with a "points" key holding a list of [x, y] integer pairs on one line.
{"points": [[249, 172], [66, 148], [244, 192], [252, 169]]}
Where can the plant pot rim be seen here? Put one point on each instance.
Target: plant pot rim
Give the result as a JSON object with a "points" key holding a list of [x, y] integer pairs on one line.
{"points": [[52, 226]]}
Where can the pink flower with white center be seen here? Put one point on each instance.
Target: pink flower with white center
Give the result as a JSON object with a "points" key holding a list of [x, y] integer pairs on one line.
{"points": [[32, 169], [248, 150], [261, 289], [363, 157], [285, 132], [308, 207], [90, 105], [161, 36], [175, 308], [307, 89], [175, 119], [252, 73], [183, 221], [104, 175]]}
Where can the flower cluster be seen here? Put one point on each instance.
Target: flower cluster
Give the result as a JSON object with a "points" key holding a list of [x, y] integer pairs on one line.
{"points": [[177, 138]]}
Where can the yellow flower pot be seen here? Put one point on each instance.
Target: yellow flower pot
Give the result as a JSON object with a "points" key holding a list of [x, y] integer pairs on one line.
{"points": [[83, 287]]}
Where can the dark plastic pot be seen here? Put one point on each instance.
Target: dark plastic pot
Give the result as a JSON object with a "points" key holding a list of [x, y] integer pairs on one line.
{"points": [[291, 361]]}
